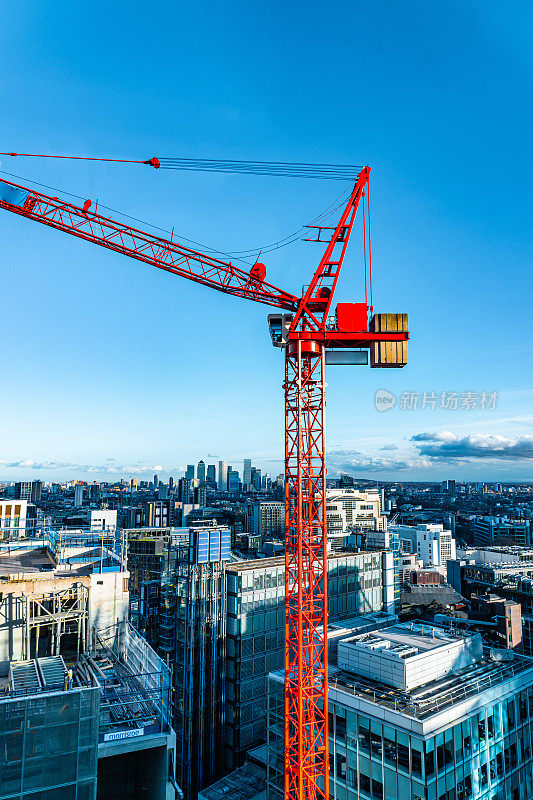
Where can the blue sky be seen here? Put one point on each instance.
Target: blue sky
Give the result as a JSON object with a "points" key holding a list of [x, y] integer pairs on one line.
{"points": [[112, 368]]}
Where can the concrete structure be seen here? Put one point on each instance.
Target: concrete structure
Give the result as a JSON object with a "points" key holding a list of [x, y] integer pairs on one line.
{"points": [[433, 545], [53, 595], [464, 734]]}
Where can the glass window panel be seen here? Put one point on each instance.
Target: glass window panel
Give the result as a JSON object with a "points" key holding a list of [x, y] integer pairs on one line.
{"points": [[416, 757]]}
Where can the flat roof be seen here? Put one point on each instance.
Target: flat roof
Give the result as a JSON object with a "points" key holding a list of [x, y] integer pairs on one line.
{"points": [[430, 699], [277, 561], [426, 639]]}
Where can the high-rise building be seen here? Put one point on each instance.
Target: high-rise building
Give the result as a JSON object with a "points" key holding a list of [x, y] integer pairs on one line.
{"points": [[200, 496], [267, 518], [95, 491], [192, 636], [78, 495], [256, 479], [157, 514], [358, 584], [211, 475], [222, 476], [189, 472], [448, 487], [133, 484], [233, 480], [350, 509], [185, 490], [247, 473], [200, 472], [171, 483], [156, 481], [420, 712], [23, 491]]}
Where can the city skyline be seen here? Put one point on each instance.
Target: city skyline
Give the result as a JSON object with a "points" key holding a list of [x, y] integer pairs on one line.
{"points": [[97, 350]]}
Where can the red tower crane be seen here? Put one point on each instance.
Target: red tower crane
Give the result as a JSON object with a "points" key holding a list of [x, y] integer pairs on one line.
{"points": [[311, 338]]}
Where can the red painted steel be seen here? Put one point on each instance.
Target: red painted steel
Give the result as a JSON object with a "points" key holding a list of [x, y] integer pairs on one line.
{"points": [[306, 663], [306, 765], [161, 253]]}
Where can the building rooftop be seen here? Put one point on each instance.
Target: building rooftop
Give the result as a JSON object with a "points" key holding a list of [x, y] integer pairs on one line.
{"points": [[430, 699], [278, 561], [246, 783], [492, 669]]}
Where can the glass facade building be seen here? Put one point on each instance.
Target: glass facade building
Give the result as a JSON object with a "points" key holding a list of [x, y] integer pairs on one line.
{"points": [[358, 583], [465, 736], [49, 745]]}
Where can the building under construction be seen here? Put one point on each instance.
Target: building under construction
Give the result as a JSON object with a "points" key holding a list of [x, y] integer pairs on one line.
{"points": [[56, 588], [99, 727]]}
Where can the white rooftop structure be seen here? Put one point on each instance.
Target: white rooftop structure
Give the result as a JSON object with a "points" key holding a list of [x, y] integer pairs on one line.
{"points": [[408, 655]]}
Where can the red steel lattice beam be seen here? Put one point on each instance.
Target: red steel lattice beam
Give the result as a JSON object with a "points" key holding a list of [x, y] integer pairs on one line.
{"points": [[306, 743]]}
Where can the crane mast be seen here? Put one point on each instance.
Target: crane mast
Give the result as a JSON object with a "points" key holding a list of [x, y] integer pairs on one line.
{"points": [[307, 333]]}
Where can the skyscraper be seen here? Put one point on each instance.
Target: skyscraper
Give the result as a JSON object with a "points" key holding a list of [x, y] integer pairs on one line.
{"points": [[200, 472], [156, 481], [233, 480], [222, 476], [247, 472], [78, 496], [256, 479], [189, 472], [211, 477]]}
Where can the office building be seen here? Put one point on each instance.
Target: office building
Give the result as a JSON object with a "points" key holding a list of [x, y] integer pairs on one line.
{"points": [[421, 713], [189, 472], [267, 518], [78, 495], [145, 554], [256, 479], [211, 476], [156, 514], [431, 542], [502, 530], [449, 488], [358, 584], [200, 472], [247, 473], [29, 490], [222, 476], [233, 480], [192, 637], [350, 509]]}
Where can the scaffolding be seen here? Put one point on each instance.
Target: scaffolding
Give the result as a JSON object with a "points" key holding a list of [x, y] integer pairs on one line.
{"points": [[54, 615]]}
